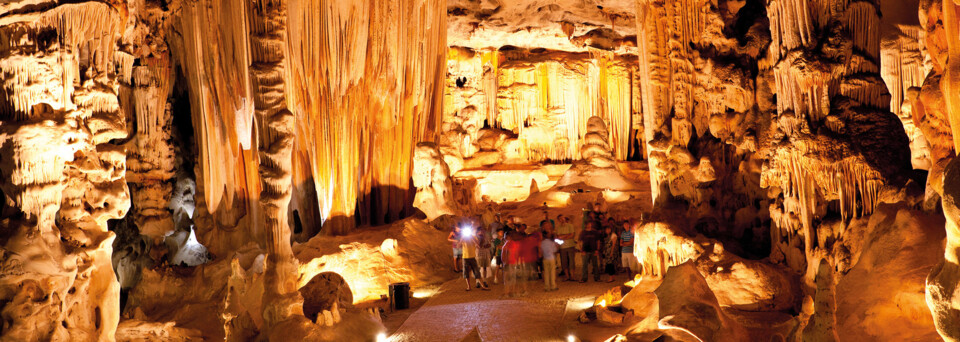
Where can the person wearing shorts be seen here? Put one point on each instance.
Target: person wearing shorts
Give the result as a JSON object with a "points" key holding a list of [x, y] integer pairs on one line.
{"points": [[469, 246], [454, 239]]}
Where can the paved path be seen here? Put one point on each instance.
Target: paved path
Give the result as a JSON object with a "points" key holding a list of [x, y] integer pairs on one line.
{"points": [[453, 314]]}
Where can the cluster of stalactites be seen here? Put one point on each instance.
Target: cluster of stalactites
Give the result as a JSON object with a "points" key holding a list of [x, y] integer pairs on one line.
{"points": [[807, 184], [904, 68], [545, 97], [659, 246], [215, 54], [845, 64], [84, 46], [826, 59], [365, 82], [59, 113], [668, 36]]}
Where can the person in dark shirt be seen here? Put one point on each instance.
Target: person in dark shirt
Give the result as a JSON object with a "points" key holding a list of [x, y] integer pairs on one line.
{"points": [[590, 240]]}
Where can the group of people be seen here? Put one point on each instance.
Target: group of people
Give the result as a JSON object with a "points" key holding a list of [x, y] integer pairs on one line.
{"points": [[510, 251]]}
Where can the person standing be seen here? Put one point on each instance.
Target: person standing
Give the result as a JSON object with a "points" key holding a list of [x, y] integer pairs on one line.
{"points": [[568, 251], [511, 260], [590, 241], [497, 255], [529, 254], [548, 252], [483, 252], [611, 253], [626, 246], [454, 239], [469, 245]]}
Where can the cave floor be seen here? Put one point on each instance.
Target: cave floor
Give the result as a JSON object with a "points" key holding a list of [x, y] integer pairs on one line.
{"points": [[453, 314]]}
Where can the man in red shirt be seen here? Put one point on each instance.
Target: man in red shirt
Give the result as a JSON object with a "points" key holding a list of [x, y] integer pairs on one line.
{"points": [[512, 257], [530, 254]]}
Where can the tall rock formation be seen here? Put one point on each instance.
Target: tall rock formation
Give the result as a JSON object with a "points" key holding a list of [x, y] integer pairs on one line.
{"points": [[63, 176]]}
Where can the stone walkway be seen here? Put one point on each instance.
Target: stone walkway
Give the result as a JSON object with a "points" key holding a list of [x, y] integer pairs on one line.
{"points": [[453, 314]]}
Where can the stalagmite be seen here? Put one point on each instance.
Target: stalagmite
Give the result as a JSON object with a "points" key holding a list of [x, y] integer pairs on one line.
{"points": [[431, 176], [282, 304]]}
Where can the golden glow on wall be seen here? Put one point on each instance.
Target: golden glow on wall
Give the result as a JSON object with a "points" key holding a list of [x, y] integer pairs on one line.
{"points": [[547, 97]]}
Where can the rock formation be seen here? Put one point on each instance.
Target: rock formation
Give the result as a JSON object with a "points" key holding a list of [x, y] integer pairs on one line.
{"points": [[63, 175], [431, 176]]}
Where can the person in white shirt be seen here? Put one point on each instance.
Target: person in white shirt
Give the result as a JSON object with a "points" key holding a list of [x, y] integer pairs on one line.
{"points": [[548, 252]]}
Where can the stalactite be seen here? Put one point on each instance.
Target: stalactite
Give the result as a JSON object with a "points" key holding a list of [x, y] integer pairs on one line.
{"points": [[665, 31], [490, 62], [215, 55], [546, 98]]}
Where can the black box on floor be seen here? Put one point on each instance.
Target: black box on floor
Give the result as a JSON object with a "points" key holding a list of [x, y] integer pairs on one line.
{"points": [[399, 296]]}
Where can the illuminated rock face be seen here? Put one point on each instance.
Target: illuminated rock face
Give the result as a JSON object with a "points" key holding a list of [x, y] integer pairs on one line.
{"points": [[707, 99], [903, 70], [531, 106], [431, 176], [829, 129]]}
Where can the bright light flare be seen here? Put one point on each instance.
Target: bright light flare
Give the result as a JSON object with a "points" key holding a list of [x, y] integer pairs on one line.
{"points": [[612, 196], [603, 303], [468, 231], [382, 337], [558, 241], [636, 280], [424, 293], [571, 338]]}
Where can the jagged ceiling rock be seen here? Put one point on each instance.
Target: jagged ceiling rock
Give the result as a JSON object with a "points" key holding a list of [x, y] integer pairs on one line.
{"points": [[569, 25]]}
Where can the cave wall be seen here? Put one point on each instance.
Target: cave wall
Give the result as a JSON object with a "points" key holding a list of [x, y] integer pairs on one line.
{"points": [[276, 94], [63, 169]]}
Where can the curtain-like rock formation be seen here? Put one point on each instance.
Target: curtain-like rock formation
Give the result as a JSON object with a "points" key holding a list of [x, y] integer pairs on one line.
{"points": [[365, 86]]}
